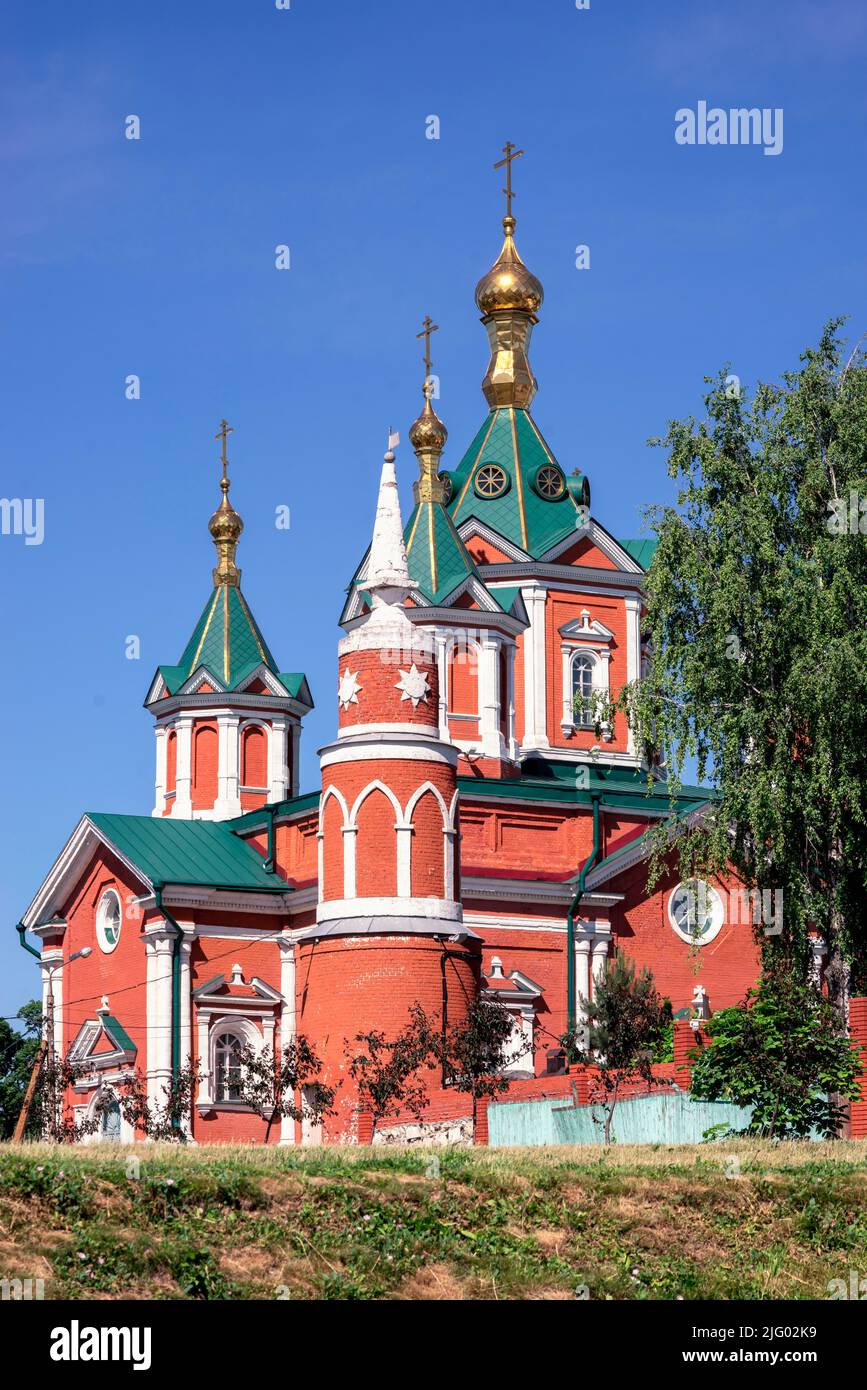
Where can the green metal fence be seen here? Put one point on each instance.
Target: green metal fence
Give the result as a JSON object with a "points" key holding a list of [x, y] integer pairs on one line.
{"points": [[664, 1117]]}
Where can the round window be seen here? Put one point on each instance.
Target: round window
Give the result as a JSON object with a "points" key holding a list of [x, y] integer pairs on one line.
{"points": [[696, 912], [446, 480], [491, 480], [549, 482], [108, 919]]}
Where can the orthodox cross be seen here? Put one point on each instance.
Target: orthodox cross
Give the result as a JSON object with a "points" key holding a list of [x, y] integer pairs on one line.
{"points": [[223, 434], [428, 327], [511, 153]]}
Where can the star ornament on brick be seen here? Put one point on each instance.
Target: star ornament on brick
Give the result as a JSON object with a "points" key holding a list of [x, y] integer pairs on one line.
{"points": [[348, 689], [413, 685]]}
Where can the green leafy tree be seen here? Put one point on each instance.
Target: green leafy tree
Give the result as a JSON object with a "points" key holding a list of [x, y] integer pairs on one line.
{"points": [[757, 660], [269, 1084], [18, 1051], [166, 1118], [388, 1071], [475, 1053], [780, 1051], [626, 1023]]}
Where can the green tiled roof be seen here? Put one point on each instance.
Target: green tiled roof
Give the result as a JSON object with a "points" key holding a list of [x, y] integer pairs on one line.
{"points": [[197, 852], [642, 551], [437, 557], [510, 438], [226, 639], [118, 1034], [228, 643]]}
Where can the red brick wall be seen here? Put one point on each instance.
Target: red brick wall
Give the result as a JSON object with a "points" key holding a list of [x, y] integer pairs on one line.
{"points": [[205, 757], [379, 702]]}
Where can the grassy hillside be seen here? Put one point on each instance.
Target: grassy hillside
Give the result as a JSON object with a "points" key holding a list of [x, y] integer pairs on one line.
{"points": [[738, 1220]]}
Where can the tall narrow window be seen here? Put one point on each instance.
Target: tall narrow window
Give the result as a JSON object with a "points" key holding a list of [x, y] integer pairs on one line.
{"points": [[227, 1067], [582, 690]]}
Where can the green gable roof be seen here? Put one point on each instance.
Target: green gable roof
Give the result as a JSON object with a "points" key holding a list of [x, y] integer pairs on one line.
{"points": [[197, 852], [509, 437]]}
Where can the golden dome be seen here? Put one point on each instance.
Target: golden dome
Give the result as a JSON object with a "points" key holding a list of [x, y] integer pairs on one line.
{"points": [[428, 431], [225, 525], [509, 285]]}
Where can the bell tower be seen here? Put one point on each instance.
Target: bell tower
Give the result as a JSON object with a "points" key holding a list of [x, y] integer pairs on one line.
{"points": [[228, 720]]}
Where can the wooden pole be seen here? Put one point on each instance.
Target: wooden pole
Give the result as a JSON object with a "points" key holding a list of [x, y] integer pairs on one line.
{"points": [[21, 1122]]}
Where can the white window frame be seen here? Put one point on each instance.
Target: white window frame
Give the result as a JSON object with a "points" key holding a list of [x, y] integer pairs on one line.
{"points": [[104, 944]]}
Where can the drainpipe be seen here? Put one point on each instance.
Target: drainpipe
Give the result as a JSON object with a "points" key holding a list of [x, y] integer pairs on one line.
{"points": [[21, 929], [571, 1011], [176, 988], [269, 857]]}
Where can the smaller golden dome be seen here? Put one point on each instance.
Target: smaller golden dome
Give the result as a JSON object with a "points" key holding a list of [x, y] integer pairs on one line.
{"points": [[225, 524], [428, 431], [509, 285]]}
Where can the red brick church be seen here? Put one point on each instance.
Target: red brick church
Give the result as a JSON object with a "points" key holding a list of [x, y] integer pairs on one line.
{"points": [[474, 831]]}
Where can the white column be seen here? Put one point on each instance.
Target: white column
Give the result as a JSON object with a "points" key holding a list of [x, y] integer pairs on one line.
{"points": [[489, 697], [600, 951], [182, 807], [349, 833], [295, 770], [162, 740], [404, 860], [567, 720], [228, 802], [205, 1096], [288, 1020], [159, 1020], [51, 966], [633, 652], [535, 684], [278, 772], [186, 995], [443, 678], [582, 979], [511, 651]]}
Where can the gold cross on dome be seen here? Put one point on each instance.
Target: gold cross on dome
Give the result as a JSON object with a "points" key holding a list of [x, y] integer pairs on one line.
{"points": [[511, 153], [427, 328], [223, 433]]}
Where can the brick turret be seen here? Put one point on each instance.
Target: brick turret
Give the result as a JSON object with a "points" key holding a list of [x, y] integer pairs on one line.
{"points": [[389, 928]]}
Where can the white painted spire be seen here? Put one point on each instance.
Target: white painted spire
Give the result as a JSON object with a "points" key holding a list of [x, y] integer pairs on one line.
{"points": [[387, 572]]}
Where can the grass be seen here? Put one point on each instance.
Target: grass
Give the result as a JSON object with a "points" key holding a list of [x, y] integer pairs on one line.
{"points": [[717, 1221]]}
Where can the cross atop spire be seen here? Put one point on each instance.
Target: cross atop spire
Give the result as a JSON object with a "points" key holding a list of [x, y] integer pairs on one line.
{"points": [[511, 153], [223, 434], [427, 328]]}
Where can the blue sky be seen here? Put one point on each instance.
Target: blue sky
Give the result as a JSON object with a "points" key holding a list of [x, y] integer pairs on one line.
{"points": [[306, 127]]}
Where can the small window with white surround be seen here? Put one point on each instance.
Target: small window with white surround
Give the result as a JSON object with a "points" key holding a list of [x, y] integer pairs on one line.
{"points": [[696, 911], [108, 921], [582, 689], [227, 1067]]}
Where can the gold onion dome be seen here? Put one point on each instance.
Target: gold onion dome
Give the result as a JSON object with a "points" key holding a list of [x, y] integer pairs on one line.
{"points": [[428, 432], [225, 525], [509, 285]]}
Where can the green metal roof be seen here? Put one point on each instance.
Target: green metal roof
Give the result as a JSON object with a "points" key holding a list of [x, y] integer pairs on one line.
{"points": [[437, 557], [226, 639], [198, 852], [118, 1034], [642, 551], [543, 780], [511, 438]]}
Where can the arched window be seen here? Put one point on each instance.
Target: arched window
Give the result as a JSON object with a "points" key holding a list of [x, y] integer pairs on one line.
{"points": [[254, 756], [171, 762], [109, 1122], [582, 689], [227, 1067]]}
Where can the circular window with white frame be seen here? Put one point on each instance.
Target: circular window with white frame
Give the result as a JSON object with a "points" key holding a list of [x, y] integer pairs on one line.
{"points": [[108, 920], [696, 911]]}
